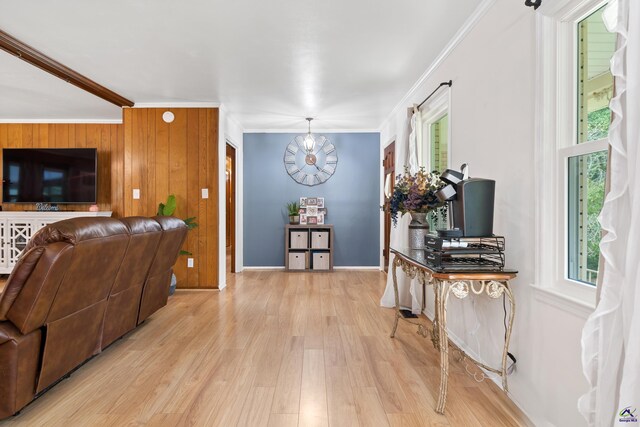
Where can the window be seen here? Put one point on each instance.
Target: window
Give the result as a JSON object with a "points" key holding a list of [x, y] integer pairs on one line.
{"points": [[586, 159], [572, 123], [439, 140], [434, 148]]}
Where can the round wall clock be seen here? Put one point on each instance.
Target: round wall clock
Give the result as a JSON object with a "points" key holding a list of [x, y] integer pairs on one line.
{"points": [[311, 167]]}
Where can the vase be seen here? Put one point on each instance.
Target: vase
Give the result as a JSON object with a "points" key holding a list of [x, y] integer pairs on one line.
{"points": [[418, 230], [419, 218], [294, 219]]}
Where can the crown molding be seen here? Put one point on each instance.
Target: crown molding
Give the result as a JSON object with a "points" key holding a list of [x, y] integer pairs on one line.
{"points": [[460, 35], [62, 121], [315, 132], [177, 105]]}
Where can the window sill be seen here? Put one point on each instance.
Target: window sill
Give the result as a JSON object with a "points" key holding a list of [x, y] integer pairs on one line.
{"points": [[577, 305]]}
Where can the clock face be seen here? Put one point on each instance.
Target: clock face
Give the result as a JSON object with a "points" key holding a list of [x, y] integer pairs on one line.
{"points": [[310, 168]]}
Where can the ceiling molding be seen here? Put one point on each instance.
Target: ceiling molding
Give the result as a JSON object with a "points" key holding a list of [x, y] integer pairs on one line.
{"points": [[466, 28], [38, 59], [177, 105], [317, 131], [63, 121]]}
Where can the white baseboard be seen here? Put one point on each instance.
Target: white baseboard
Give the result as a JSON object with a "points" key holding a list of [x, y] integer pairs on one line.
{"points": [[263, 268]]}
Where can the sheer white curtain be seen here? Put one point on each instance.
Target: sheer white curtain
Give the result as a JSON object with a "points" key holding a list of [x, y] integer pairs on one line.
{"points": [[409, 291], [610, 341]]}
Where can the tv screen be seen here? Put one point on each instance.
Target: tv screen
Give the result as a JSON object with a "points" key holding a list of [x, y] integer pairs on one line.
{"points": [[49, 175]]}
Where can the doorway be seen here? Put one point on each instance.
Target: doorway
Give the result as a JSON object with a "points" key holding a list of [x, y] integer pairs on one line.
{"points": [[230, 200], [389, 166]]}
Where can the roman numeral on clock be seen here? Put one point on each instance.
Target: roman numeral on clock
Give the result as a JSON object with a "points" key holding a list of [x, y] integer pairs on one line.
{"points": [[328, 149]]}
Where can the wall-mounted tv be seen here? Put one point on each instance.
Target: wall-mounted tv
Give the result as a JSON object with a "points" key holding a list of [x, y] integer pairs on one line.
{"points": [[49, 175]]}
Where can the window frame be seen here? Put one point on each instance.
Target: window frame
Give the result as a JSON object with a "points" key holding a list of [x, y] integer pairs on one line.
{"points": [[556, 142], [435, 109]]}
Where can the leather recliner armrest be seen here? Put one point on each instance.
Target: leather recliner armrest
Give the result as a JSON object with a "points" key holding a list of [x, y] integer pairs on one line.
{"points": [[19, 359], [17, 279], [8, 332]]}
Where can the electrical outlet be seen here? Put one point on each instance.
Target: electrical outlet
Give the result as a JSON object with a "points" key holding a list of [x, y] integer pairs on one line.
{"points": [[136, 193], [190, 262], [205, 193]]}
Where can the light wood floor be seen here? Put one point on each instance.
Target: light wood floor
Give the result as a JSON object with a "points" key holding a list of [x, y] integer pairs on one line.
{"points": [[273, 349]]}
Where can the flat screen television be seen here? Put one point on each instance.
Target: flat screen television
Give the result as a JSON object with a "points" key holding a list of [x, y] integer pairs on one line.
{"points": [[49, 175]]}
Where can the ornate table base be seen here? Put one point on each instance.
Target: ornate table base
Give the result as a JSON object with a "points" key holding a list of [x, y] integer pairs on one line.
{"points": [[494, 285]]}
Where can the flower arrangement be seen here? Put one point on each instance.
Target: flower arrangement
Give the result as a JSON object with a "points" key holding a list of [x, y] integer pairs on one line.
{"points": [[416, 193]]}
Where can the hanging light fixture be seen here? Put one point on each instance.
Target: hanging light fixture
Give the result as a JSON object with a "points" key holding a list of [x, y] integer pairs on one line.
{"points": [[309, 142]]}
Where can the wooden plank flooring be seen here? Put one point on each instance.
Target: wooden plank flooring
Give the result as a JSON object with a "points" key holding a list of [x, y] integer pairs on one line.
{"points": [[274, 349]]}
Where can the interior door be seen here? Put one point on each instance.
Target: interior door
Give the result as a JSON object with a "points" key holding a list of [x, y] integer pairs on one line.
{"points": [[230, 199], [389, 166]]}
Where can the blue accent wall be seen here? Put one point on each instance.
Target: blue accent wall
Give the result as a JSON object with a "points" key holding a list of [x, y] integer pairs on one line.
{"points": [[351, 195]]}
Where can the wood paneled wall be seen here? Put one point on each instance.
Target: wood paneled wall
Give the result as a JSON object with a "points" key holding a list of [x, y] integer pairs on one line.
{"points": [[179, 158], [158, 158], [107, 138]]}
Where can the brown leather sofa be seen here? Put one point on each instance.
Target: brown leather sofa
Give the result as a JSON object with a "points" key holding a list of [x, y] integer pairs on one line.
{"points": [[80, 285]]}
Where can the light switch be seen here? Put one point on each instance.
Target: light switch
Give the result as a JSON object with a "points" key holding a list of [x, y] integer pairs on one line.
{"points": [[136, 193], [205, 193], [190, 262]]}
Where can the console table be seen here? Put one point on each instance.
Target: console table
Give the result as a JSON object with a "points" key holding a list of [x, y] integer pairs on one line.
{"points": [[460, 284], [17, 227]]}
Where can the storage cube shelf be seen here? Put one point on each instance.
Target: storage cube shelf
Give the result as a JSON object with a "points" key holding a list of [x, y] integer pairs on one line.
{"points": [[308, 247]]}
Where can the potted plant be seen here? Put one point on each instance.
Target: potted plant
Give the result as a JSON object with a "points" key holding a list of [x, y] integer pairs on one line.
{"points": [[294, 212], [415, 194], [168, 209]]}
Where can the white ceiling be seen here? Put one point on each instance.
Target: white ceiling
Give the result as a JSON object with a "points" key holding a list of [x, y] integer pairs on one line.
{"points": [[271, 63]]}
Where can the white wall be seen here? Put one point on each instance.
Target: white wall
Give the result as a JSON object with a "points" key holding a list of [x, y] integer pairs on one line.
{"points": [[492, 123], [229, 131]]}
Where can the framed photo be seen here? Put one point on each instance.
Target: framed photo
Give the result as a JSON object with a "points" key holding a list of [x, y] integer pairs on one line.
{"points": [[303, 202], [312, 201], [312, 210], [303, 219], [322, 211], [312, 220], [302, 211], [321, 202], [320, 218]]}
